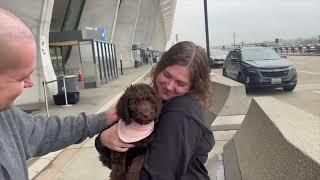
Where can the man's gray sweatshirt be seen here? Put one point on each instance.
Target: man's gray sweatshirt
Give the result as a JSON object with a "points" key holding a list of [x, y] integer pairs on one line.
{"points": [[23, 136]]}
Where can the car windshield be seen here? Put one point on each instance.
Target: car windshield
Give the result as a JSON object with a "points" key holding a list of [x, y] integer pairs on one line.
{"points": [[259, 54]]}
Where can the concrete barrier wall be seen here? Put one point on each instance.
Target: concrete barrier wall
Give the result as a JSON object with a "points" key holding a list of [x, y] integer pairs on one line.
{"points": [[275, 141], [229, 103], [228, 97]]}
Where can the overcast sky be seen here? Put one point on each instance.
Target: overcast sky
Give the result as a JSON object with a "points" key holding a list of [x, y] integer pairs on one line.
{"points": [[251, 20]]}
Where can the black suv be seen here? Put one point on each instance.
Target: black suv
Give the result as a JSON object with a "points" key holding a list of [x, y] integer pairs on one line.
{"points": [[260, 67]]}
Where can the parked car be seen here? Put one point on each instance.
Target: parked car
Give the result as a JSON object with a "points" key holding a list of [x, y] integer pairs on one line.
{"points": [[217, 57], [260, 67]]}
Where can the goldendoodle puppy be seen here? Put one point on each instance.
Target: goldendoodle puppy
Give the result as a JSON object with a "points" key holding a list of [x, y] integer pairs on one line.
{"points": [[138, 109]]}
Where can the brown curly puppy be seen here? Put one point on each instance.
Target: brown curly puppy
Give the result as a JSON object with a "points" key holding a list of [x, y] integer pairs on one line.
{"points": [[140, 104]]}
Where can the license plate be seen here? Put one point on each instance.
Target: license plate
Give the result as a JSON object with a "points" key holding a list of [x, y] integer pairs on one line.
{"points": [[276, 81]]}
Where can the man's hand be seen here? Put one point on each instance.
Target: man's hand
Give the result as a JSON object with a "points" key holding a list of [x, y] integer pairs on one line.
{"points": [[111, 115], [110, 139]]}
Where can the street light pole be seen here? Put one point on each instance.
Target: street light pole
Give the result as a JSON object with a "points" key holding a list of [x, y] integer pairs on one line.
{"points": [[206, 27]]}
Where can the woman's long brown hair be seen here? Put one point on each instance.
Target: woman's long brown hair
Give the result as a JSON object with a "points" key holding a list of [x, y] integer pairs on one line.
{"points": [[194, 57]]}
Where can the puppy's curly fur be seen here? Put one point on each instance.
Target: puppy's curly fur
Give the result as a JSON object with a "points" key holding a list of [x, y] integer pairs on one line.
{"points": [[141, 104]]}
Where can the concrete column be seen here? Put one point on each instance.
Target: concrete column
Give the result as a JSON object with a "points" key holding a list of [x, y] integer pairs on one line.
{"points": [[137, 37], [115, 20], [158, 35], [142, 24], [153, 17], [37, 15], [150, 28], [125, 29], [150, 22]]}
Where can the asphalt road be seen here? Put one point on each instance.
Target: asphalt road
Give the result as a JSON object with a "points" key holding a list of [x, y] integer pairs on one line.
{"points": [[306, 95]]}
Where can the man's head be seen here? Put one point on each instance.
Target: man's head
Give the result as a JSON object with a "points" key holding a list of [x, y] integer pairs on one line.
{"points": [[17, 58]]}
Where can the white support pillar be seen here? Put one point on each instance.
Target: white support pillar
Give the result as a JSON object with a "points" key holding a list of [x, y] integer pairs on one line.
{"points": [[134, 29], [115, 21]]}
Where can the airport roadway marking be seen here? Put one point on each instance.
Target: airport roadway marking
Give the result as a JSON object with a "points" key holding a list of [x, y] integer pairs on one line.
{"points": [[308, 72]]}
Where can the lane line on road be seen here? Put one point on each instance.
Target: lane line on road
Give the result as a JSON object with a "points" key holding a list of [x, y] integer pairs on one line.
{"points": [[296, 62], [311, 87], [308, 72], [308, 86]]}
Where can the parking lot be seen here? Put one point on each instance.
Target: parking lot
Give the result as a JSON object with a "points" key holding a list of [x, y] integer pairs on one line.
{"points": [[306, 95]]}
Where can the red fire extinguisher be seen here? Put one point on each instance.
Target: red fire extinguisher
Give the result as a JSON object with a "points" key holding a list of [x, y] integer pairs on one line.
{"points": [[80, 75]]}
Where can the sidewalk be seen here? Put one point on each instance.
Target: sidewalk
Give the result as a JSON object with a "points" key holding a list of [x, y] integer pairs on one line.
{"points": [[80, 161]]}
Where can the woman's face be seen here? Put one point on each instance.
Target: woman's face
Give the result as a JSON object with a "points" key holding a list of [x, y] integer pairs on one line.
{"points": [[173, 81]]}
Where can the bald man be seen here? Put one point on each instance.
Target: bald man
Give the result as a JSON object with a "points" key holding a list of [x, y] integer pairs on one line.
{"points": [[23, 136]]}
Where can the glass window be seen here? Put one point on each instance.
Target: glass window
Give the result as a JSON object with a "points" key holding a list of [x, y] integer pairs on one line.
{"points": [[259, 54]]}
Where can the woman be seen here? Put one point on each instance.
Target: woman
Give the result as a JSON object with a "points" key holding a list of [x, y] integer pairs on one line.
{"points": [[183, 137]]}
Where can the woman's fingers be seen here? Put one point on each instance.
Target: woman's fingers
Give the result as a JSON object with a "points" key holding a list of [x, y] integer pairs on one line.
{"points": [[124, 145], [110, 139]]}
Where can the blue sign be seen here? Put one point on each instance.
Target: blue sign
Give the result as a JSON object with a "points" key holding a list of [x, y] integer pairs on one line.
{"points": [[103, 34]]}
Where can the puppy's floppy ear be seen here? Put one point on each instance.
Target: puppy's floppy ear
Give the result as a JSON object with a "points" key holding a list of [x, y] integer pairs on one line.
{"points": [[123, 108], [126, 111]]}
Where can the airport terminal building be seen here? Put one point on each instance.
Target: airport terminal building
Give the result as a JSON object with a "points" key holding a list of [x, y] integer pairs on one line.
{"points": [[91, 38]]}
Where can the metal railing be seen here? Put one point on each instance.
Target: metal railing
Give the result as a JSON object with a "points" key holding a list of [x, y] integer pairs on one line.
{"points": [[44, 86], [301, 49]]}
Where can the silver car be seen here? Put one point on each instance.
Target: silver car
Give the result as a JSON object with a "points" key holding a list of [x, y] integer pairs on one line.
{"points": [[217, 57]]}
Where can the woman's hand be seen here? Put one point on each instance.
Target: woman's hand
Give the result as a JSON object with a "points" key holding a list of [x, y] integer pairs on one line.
{"points": [[110, 139]]}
